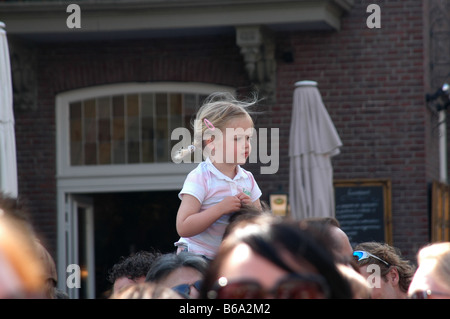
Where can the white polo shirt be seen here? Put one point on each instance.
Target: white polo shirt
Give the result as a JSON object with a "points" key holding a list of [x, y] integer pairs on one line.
{"points": [[210, 187]]}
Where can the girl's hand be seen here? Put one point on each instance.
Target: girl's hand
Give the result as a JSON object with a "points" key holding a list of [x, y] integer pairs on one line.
{"points": [[244, 198], [230, 204]]}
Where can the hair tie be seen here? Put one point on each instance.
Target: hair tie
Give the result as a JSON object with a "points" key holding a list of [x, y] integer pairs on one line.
{"points": [[209, 124], [191, 148]]}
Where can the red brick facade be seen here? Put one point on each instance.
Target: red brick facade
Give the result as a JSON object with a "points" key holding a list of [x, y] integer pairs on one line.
{"points": [[373, 83]]}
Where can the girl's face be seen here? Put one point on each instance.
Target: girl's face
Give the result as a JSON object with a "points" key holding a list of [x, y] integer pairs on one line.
{"points": [[232, 146]]}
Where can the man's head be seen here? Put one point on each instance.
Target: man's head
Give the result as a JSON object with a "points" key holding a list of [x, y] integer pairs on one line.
{"points": [[131, 269], [385, 261]]}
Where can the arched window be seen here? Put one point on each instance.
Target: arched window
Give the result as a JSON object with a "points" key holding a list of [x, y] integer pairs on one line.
{"points": [[124, 129], [128, 128]]}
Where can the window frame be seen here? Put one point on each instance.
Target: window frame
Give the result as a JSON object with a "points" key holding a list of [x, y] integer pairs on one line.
{"points": [[111, 177]]}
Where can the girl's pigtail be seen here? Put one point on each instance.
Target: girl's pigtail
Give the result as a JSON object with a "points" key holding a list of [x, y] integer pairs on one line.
{"points": [[196, 145], [183, 153]]}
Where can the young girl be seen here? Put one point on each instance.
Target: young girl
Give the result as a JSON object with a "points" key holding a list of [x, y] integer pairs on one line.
{"points": [[218, 186]]}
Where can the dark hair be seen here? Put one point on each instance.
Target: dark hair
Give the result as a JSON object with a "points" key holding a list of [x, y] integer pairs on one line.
{"points": [[321, 229], [266, 239], [167, 263], [331, 221], [133, 266], [248, 214]]}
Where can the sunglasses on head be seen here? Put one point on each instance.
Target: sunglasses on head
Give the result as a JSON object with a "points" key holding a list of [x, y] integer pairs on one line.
{"points": [[361, 255], [185, 289], [292, 286]]}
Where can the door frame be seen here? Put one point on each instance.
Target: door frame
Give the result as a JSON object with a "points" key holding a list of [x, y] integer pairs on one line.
{"points": [[73, 203]]}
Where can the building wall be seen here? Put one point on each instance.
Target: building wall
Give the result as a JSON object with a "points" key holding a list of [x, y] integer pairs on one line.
{"points": [[372, 82]]}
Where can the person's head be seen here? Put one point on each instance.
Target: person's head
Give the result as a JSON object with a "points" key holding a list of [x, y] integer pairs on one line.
{"points": [[145, 290], [51, 277], [248, 214], [432, 278], [22, 273], [328, 231], [182, 272], [16, 208], [222, 129], [17, 218], [131, 269], [273, 258], [388, 273]]}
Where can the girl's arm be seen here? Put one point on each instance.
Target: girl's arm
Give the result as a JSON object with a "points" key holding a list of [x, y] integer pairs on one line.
{"points": [[191, 222]]}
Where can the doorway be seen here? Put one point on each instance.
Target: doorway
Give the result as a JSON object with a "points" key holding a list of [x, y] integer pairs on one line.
{"points": [[81, 240], [127, 222]]}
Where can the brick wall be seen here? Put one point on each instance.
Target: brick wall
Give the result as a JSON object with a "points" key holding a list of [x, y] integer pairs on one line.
{"points": [[67, 66], [372, 83], [371, 80]]}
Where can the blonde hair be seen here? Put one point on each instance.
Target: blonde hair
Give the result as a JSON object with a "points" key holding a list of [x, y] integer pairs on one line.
{"points": [[217, 110], [439, 253], [359, 285], [23, 273]]}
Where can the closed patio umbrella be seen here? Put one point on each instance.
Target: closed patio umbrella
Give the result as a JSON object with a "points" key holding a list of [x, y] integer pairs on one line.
{"points": [[8, 165], [313, 141]]}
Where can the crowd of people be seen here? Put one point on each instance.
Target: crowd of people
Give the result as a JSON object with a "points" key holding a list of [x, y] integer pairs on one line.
{"points": [[261, 256], [269, 257]]}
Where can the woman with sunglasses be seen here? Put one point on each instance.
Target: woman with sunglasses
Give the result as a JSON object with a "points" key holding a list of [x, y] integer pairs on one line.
{"points": [[183, 273], [271, 258]]}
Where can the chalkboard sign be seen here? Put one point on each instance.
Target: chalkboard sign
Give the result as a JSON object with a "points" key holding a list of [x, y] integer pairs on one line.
{"points": [[363, 209]]}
